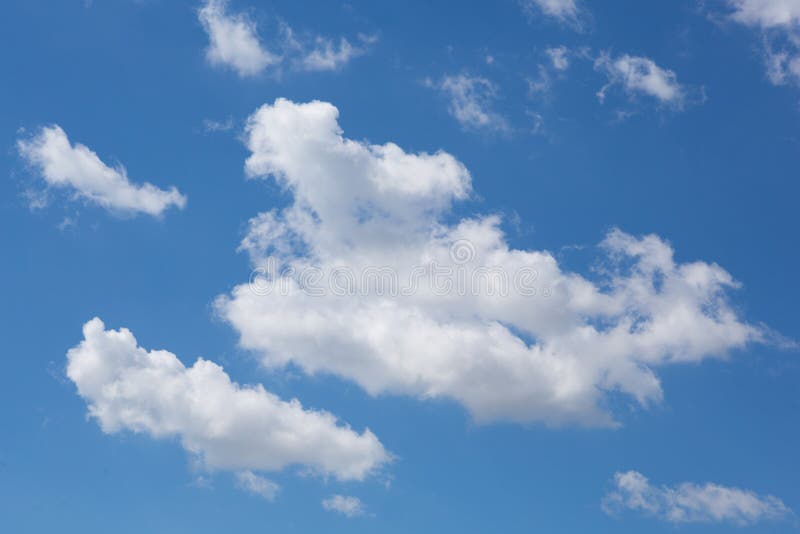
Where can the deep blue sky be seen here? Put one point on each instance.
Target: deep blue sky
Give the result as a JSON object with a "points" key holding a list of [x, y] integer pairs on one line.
{"points": [[718, 179]]}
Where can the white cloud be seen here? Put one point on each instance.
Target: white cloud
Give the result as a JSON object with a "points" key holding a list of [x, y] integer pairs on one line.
{"points": [[559, 57], [257, 485], [766, 13], [64, 165], [636, 74], [779, 20], [234, 40], [345, 505], [564, 10], [225, 425], [692, 503], [470, 101], [328, 56], [548, 357]]}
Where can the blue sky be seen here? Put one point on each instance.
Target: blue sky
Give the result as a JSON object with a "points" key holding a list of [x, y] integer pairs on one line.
{"points": [[571, 135]]}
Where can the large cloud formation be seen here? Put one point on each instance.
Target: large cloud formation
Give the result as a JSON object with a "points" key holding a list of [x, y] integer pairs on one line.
{"points": [[225, 425], [508, 334]]}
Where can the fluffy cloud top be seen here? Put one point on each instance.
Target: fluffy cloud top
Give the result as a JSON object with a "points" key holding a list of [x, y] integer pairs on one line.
{"points": [[640, 75], [548, 349], [345, 505], [227, 426], [234, 40], [470, 101], [692, 503], [77, 168]]}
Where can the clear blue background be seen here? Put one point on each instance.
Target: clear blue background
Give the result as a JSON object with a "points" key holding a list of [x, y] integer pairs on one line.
{"points": [[129, 79]]}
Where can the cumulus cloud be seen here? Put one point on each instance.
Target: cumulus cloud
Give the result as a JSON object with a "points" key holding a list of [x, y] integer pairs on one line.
{"points": [[779, 21], [470, 100], [223, 424], [547, 349], [78, 169], [345, 505], [235, 43], [234, 40], [691, 503], [257, 485], [640, 75]]}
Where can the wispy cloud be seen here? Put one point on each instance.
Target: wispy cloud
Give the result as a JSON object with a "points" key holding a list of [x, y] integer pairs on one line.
{"points": [[555, 67], [691, 503], [559, 57], [210, 125], [345, 505], [637, 75], [325, 54], [234, 42], [470, 102], [257, 485], [779, 22], [567, 11]]}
